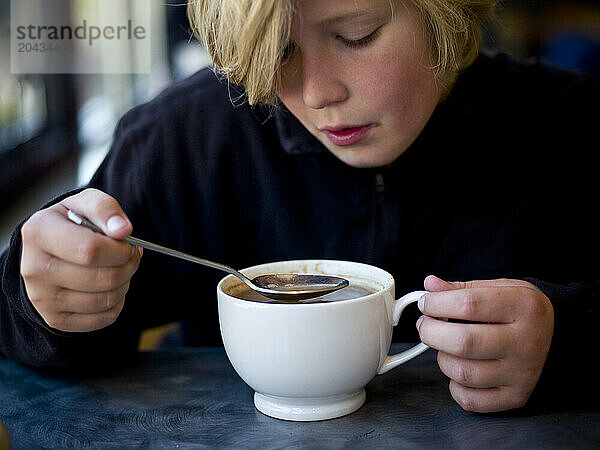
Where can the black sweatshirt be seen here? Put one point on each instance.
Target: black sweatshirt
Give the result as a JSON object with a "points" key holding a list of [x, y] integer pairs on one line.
{"points": [[501, 183]]}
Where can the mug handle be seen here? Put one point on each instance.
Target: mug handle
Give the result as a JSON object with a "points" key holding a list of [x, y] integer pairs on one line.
{"points": [[392, 361]]}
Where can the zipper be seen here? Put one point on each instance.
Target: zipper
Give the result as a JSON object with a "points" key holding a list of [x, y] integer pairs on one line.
{"points": [[379, 183]]}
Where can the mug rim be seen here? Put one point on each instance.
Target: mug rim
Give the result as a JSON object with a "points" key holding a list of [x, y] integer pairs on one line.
{"points": [[387, 283]]}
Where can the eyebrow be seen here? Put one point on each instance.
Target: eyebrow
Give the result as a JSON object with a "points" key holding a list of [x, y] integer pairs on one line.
{"points": [[348, 17]]}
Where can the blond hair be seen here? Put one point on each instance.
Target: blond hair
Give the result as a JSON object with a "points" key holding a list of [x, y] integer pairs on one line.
{"points": [[246, 39], [454, 31]]}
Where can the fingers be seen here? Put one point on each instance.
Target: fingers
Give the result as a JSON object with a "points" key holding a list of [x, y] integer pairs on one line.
{"points": [[102, 210], [68, 301], [473, 341], [495, 355], [488, 301], [481, 304], [75, 278], [483, 386], [473, 373], [86, 278], [95, 294], [476, 301], [436, 284], [50, 232], [76, 322], [488, 400]]}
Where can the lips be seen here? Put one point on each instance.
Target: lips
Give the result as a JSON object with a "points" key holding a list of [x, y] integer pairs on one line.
{"points": [[346, 135]]}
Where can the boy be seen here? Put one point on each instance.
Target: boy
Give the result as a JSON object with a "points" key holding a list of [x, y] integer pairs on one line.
{"points": [[392, 143]]}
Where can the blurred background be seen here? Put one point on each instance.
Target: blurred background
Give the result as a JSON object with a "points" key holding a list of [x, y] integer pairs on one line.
{"points": [[56, 129]]}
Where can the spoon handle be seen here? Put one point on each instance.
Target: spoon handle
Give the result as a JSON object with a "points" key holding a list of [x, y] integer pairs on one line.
{"points": [[73, 217]]}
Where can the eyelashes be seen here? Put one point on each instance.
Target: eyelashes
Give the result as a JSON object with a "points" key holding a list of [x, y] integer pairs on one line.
{"points": [[289, 49], [358, 43]]}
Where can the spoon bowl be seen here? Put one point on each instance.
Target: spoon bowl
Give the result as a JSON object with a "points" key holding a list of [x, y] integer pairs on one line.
{"points": [[285, 287], [294, 287]]}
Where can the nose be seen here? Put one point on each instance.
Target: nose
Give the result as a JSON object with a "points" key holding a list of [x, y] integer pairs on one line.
{"points": [[322, 84]]}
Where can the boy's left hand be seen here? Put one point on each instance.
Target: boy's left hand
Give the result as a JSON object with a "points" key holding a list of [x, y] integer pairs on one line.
{"points": [[495, 362]]}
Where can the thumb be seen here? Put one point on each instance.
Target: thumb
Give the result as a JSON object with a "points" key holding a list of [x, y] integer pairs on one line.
{"points": [[102, 210]]}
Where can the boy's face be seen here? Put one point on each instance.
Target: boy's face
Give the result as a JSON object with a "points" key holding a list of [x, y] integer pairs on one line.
{"points": [[359, 77]]}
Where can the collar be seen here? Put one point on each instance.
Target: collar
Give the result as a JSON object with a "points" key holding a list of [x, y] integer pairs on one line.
{"points": [[293, 136]]}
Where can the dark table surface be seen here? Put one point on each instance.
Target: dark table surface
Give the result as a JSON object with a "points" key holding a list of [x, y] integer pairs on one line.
{"points": [[192, 398]]}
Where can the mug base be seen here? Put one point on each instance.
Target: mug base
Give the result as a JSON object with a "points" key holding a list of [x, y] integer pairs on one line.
{"points": [[309, 409]]}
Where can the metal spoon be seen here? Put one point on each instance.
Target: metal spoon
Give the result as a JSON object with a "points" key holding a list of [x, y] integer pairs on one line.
{"points": [[289, 287]]}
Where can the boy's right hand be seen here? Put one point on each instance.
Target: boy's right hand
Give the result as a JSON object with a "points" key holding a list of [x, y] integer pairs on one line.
{"points": [[75, 278]]}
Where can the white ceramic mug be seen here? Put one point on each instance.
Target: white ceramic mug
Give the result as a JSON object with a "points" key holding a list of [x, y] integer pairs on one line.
{"points": [[312, 361]]}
